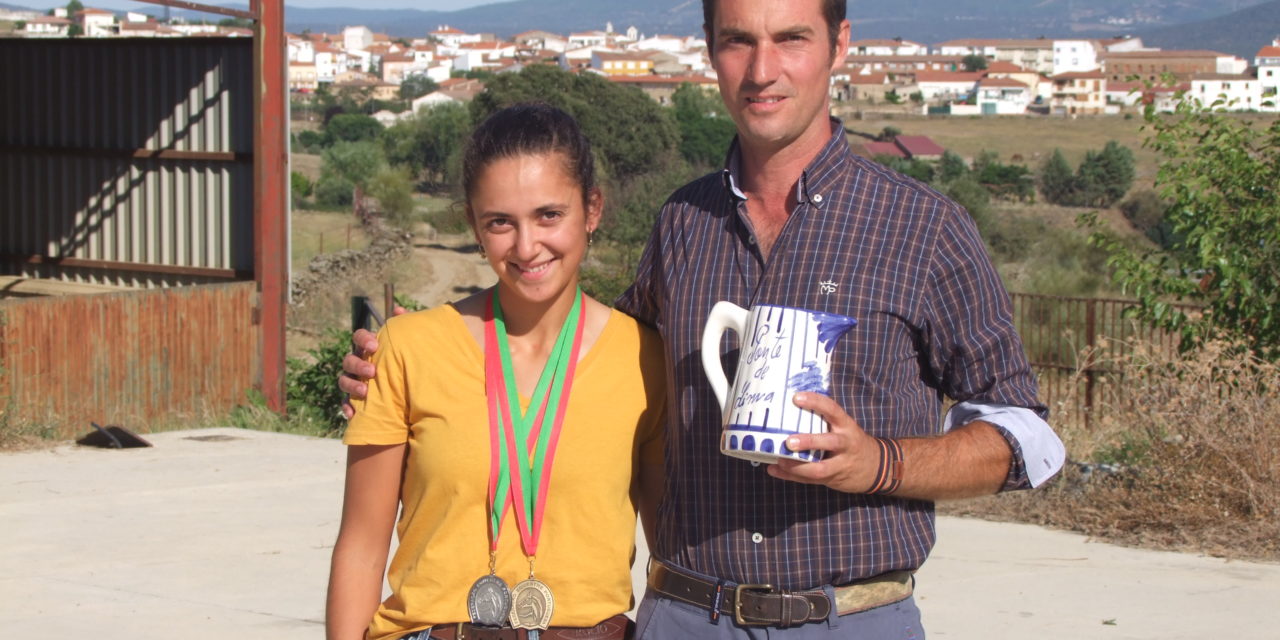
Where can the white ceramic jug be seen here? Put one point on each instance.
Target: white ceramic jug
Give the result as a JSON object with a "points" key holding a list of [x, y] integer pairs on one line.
{"points": [[783, 350]]}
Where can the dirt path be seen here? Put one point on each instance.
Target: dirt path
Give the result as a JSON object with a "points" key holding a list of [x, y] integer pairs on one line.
{"points": [[447, 267]]}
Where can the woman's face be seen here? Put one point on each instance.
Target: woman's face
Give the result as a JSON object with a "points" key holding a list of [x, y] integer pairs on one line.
{"points": [[528, 214]]}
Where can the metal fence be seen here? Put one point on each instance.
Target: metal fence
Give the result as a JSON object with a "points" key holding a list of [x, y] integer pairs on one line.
{"points": [[1056, 331], [137, 359]]}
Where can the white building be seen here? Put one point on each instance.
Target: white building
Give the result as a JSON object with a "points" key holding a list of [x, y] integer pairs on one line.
{"points": [[1268, 63], [1229, 92], [946, 85], [300, 50], [1003, 96], [451, 37], [47, 27], [1074, 56], [97, 23], [357, 38], [886, 47]]}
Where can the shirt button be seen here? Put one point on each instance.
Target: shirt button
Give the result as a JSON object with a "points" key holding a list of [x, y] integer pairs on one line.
{"points": [[751, 239], [757, 537], [817, 198]]}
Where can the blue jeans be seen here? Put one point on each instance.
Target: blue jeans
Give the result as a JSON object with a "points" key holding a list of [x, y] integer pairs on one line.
{"points": [[661, 618]]}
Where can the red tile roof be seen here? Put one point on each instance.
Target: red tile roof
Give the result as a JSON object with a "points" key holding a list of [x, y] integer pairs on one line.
{"points": [[949, 76], [1002, 82], [883, 149], [1269, 52], [919, 146], [1004, 66]]}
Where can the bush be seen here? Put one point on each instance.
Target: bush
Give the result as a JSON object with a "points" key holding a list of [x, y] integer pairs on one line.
{"points": [[334, 191], [1186, 456], [393, 189], [352, 127], [311, 141], [311, 384], [299, 185]]}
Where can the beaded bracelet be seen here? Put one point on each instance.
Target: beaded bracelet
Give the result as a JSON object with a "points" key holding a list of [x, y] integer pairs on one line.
{"points": [[889, 475]]}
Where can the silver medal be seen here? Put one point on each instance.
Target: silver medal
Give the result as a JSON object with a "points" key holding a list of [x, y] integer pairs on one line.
{"points": [[531, 605], [489, 601]]}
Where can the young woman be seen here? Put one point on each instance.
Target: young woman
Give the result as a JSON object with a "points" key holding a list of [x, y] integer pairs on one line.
{"points": [[515, 431]]}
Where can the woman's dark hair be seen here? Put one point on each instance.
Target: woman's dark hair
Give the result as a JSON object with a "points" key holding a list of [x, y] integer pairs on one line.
{"points": [[530, 128]]}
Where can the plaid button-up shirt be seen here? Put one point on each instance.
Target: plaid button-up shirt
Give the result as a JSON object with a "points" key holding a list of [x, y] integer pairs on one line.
{"points": [[933, 320]]}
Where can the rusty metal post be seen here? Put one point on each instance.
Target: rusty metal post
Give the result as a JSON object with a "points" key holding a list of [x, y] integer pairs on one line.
{"points": [[1091, 339], [271, 214], [389, 296]]}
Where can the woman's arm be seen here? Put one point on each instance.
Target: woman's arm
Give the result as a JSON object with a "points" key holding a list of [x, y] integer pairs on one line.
{"points": [[360, 555]]}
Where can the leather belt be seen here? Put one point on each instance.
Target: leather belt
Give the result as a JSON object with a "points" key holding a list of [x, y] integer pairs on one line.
{"points": [[762, 605], [618, 627]]}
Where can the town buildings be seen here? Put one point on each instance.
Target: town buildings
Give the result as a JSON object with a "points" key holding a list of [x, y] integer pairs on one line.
{"points": [[1064, 76]]}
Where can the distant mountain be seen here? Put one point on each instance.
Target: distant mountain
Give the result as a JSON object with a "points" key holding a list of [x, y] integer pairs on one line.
{"points": [[1241, 33], [929, 21], [1230, 26]]}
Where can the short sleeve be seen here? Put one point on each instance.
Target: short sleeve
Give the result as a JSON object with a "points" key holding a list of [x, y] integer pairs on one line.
{"points": [[382, 417]]}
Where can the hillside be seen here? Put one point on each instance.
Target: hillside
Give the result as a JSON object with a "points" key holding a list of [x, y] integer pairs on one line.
{"points": [[929, 21], [1241, 33]]}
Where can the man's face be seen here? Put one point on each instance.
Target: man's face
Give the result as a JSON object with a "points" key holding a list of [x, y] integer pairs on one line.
{"points": [[774, 62]]}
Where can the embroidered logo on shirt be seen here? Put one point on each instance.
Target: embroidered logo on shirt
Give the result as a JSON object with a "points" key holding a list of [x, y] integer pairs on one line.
{"points": [[827, 287]]}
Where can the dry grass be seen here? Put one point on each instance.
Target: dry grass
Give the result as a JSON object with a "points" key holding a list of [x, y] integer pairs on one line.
{"points": [[1187, 458]]}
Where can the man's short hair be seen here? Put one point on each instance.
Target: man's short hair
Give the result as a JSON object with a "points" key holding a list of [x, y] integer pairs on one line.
{"points": [[832, 10]]}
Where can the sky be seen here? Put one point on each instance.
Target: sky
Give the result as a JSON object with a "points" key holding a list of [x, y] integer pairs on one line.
{"points": [[424, 5]]}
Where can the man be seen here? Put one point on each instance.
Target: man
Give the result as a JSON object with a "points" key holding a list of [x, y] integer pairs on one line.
{"points": [[796, 219]]}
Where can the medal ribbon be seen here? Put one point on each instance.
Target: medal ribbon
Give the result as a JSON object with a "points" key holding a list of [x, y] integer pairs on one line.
{"points": [[533, 462]]}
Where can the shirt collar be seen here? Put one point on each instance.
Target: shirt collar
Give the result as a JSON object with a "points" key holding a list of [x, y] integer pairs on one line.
{"points": [[815, 178]]}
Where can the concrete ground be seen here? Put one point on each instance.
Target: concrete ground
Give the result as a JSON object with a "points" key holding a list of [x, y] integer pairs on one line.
{"points": [[226, 533]]}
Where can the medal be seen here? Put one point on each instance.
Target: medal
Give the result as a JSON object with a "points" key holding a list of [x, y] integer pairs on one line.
{"points": [[521, 456], [489, 601], [531, 605]]}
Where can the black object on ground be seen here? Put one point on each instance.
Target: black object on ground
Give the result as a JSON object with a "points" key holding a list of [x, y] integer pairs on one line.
{"points": [[112, 437]]}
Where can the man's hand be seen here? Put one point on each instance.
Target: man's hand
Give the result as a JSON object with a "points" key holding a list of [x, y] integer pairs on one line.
{"points": [[967, 461], [356, 368], [852, 456]]}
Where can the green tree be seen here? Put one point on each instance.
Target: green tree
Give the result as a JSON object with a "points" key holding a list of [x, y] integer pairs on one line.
{"points": [[974, 62], [889, 134], [416, 86], [1118, 169], [705, 132], [299, 185], [952, 167], [393, 189], [430, 144], [918, 169], [74, 7], [632, 135], [75, 31], [1057, 182], [1007, 180], [1219, 173], [352, 127], [892, 97], [355, 162]]}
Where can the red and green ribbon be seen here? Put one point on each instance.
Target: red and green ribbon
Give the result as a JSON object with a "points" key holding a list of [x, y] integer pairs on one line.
{"points": [[522, 474]]}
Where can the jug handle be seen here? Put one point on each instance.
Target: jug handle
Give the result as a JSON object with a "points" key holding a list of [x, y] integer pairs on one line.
{"points": [[724, 315]]}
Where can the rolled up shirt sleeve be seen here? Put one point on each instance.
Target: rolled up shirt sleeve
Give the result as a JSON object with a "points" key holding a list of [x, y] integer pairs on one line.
{"points": [[1036, 448]]}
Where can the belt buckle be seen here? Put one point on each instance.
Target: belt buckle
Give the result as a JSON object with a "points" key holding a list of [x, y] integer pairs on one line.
{"points": [[737, 603], [460, 632]]}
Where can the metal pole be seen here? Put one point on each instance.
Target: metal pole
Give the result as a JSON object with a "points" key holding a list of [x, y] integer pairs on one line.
{"points": [[270, 194]]}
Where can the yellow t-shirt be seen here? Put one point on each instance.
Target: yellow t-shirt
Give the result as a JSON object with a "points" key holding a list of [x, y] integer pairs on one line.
{"points": [[430, 392]]}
